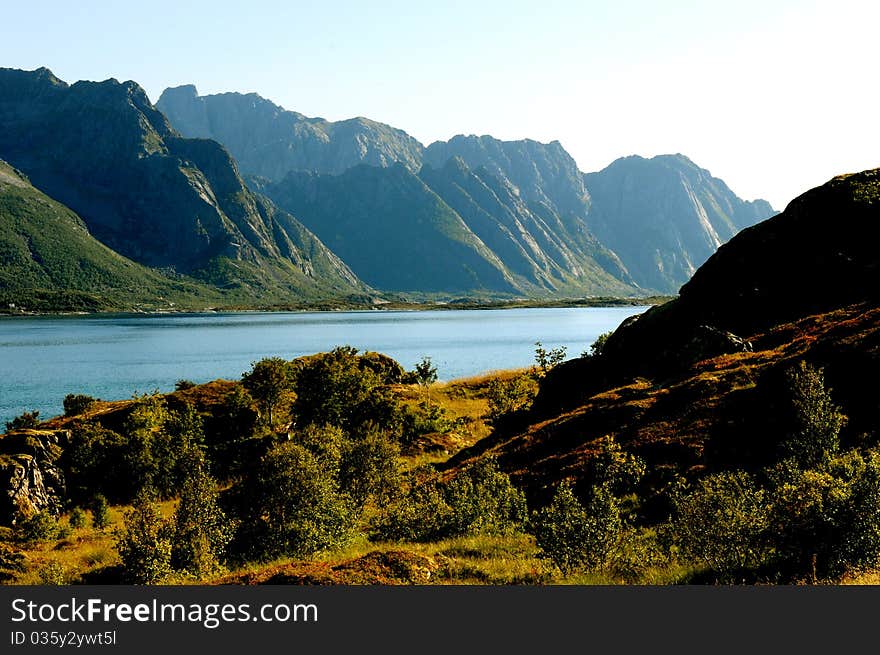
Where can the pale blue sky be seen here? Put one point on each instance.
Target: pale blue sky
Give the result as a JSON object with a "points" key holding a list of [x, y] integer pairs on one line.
{"points": [[774, 96]]}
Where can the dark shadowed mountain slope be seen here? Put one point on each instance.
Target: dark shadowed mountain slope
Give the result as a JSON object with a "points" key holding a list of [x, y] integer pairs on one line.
{"points": [[665, 216], [48, 259], [104, 151], [269, 141]]}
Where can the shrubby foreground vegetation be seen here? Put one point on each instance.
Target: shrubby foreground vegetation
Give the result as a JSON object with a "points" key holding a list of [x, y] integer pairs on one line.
{"points": [[342, 467]]}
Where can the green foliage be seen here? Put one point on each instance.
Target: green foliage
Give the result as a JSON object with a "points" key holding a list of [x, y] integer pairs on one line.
{"points": [[183, 385], [483, 501], [202, 530], [598, 346], [721, 522], [507, 396], [78, 518], [95, 461], [25, 421], [38, 528], [547, 359], [370, 468], [52, 573], [826, 521], [100, 512], [425, 374], [290, 505], [145, 542], [818, 421], [232, 434], [270, 383], [75, 404], [616, 468], [578, 537], [479, 500], [342, 389]]}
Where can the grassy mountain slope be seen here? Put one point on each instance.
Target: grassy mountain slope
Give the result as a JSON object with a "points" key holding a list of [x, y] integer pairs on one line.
{"points": [[48, 259], [104, 151], [678, 387]]}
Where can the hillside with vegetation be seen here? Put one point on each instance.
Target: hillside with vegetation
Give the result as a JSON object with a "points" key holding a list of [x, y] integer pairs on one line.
{"points": [[175, 204]]}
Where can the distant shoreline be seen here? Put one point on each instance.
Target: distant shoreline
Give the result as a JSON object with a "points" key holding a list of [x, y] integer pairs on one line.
{"points": [[332, 306]]}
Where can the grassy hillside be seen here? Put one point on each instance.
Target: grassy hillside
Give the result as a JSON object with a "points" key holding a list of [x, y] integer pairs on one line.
{"points": [[48, 260]]}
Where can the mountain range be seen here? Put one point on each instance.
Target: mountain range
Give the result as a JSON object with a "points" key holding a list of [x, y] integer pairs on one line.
{"points": [[243, 202]]}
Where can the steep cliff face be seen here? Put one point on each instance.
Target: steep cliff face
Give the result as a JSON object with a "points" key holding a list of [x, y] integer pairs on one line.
{"points": [[665, 216], [269, 141], [31, 478], [104, 151]]}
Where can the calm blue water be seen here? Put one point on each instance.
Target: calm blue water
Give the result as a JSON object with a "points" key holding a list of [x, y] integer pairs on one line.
{"points": [[43, 359]]}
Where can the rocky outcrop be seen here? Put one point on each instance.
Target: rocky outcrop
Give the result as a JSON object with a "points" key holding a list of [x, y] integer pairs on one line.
{"points": [[31, 478]]}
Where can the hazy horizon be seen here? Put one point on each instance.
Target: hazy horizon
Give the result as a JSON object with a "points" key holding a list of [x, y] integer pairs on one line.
{"points": [[766, 96]]}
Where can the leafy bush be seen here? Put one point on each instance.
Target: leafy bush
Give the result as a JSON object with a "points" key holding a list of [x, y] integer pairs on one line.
{"points": [[547, 359], [818, 421], [26, 421], [183, 385], [479, 500], [78, 518], [574, 536], [598, 346], [202, 530], [370, 468], [342, 389], [37, 528], [721, 522], [100, 512], [290, 505], [507, 396], [425, 374], [826, 521], [145, 543], [616, 468], [75, 404], [52, 573], [270, 382]]}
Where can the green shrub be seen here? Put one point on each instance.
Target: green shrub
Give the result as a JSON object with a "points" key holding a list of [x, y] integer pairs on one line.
{"points": [[52, 573], [25, 421], [507, 396], [145, 543], [78, 518], [547, 359], [75, 404], [270, 382], [202, 530], [721, 522], [289, 505], [100, 512], [40, 527], [818, 421], [183, 385], [370, 468], [575, 536]]}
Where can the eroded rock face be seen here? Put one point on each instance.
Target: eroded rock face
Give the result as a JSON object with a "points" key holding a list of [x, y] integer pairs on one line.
{"points": [[31, 479]]}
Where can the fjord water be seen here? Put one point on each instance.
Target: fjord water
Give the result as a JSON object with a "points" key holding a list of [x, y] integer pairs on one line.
{"points": [[42, 359]]}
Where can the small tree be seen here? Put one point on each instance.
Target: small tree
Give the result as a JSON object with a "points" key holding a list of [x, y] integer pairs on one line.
{"points": [[270, 383], [183, 385], [818, 421], [721, 521], [39, 527], [25, 421], [547, 359], [615, 467], [202, 530], [100, 512], [291, 505], [574, 536], [426, 375], [144, 543], [78, 518], [370, 468], [509, 395], [598, 346], [75, 404]]}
